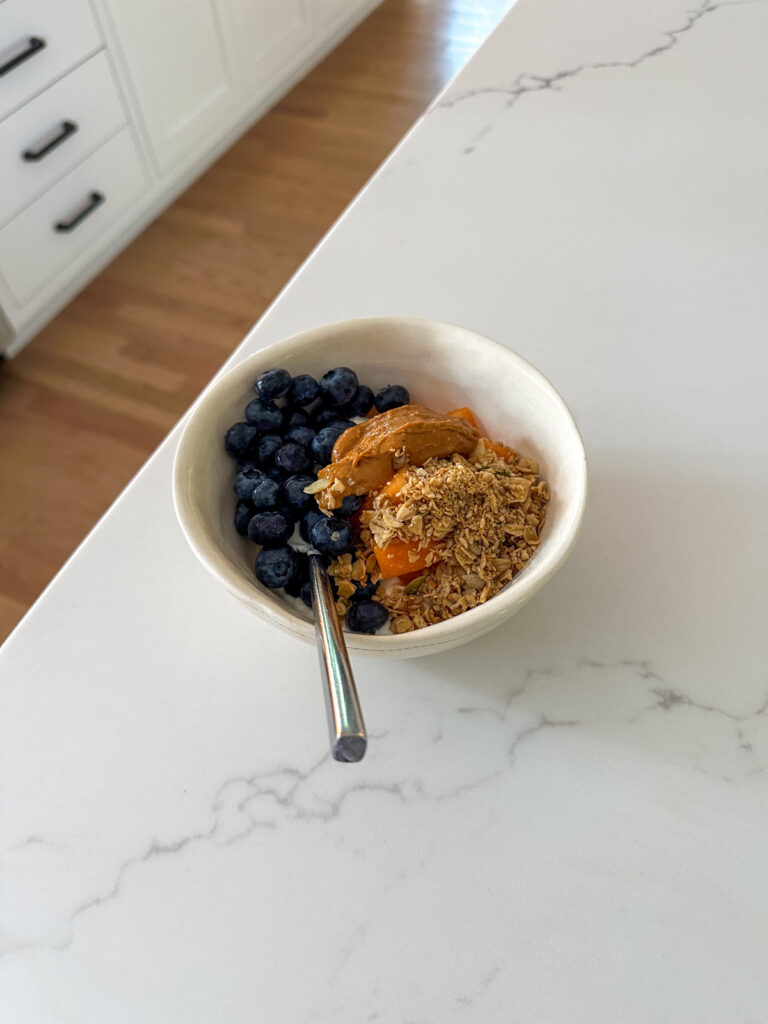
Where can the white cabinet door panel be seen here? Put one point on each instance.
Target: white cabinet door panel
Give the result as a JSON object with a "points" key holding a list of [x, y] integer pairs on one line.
{"points": [[327, 12], [266, 34], [178, 66]]}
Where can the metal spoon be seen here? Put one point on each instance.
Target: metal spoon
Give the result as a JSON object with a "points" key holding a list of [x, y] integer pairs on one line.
{"points": [[345, 719]]}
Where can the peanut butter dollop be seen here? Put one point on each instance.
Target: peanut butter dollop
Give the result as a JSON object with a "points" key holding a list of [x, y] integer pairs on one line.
{"points": [[366, 456]]}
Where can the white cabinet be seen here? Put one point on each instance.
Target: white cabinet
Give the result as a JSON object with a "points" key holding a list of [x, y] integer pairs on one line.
{"points": [[265, 35], [110, 108], [178, 67], [328, 13], [193, 62]]}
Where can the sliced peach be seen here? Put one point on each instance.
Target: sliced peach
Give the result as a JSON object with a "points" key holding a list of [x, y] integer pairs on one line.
{"points": [[500, 449], [395, 560], [393, 487], [465, 413]]}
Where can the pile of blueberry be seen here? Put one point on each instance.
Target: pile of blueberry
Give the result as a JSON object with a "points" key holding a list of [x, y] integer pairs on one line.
{"points": [[288, 434]]}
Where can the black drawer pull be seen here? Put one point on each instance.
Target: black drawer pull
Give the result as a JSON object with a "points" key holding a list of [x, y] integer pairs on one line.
{"points": [[33, 44], [95, 199], [51, 141]]}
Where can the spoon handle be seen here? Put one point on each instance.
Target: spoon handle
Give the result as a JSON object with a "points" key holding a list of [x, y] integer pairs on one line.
{"points": [[345, 719]]}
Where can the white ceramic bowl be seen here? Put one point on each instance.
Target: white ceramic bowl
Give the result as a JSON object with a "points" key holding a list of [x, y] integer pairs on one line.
{"points": [[443, 367]]}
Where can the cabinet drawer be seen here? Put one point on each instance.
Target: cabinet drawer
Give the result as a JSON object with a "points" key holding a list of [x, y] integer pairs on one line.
{"points": [[55, 131], [40, 40], [71, 217]]}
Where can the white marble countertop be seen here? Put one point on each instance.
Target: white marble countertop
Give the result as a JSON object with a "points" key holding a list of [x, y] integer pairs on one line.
{"points": [[566, 821]]}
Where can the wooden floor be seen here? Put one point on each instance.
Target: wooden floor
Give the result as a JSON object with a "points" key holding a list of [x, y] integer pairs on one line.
{"points": [[84, 404]]}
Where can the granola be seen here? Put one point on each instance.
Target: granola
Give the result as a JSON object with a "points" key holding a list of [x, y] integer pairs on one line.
{"points": [[472, 522]]}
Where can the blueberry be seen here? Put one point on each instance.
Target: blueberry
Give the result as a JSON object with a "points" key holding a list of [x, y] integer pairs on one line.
{"points": [[366, 617], [265, 416], [239, 438], [351, 504], [340, 385], [266, 449], [272, 384], [270, 529], [246, 480], [289, 511], [391, 397], [265, 494], [341, 425], [360, 404], [293, 488], [293, 589], [331, 536], [275, 474], [243, 514], [322, 446], [301, 435], [363, 592], [324, 416], [275, 567], [293, 458], [306, 593], [298, 418], [303, 390], [308, 520]]}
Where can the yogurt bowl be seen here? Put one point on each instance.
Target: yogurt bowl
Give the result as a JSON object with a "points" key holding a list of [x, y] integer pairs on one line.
{"points": [[444, 367]]}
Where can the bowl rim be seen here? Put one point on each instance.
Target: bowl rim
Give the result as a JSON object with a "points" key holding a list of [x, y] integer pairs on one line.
{"points": [[470, 623]]}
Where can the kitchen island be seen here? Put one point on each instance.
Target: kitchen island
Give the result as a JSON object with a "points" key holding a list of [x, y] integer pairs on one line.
{"points": [[563, 821]]}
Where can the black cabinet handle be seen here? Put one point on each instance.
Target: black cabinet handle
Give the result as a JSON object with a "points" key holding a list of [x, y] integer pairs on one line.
{"points": [[51, 141], [30, 48], [95, 199]]}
